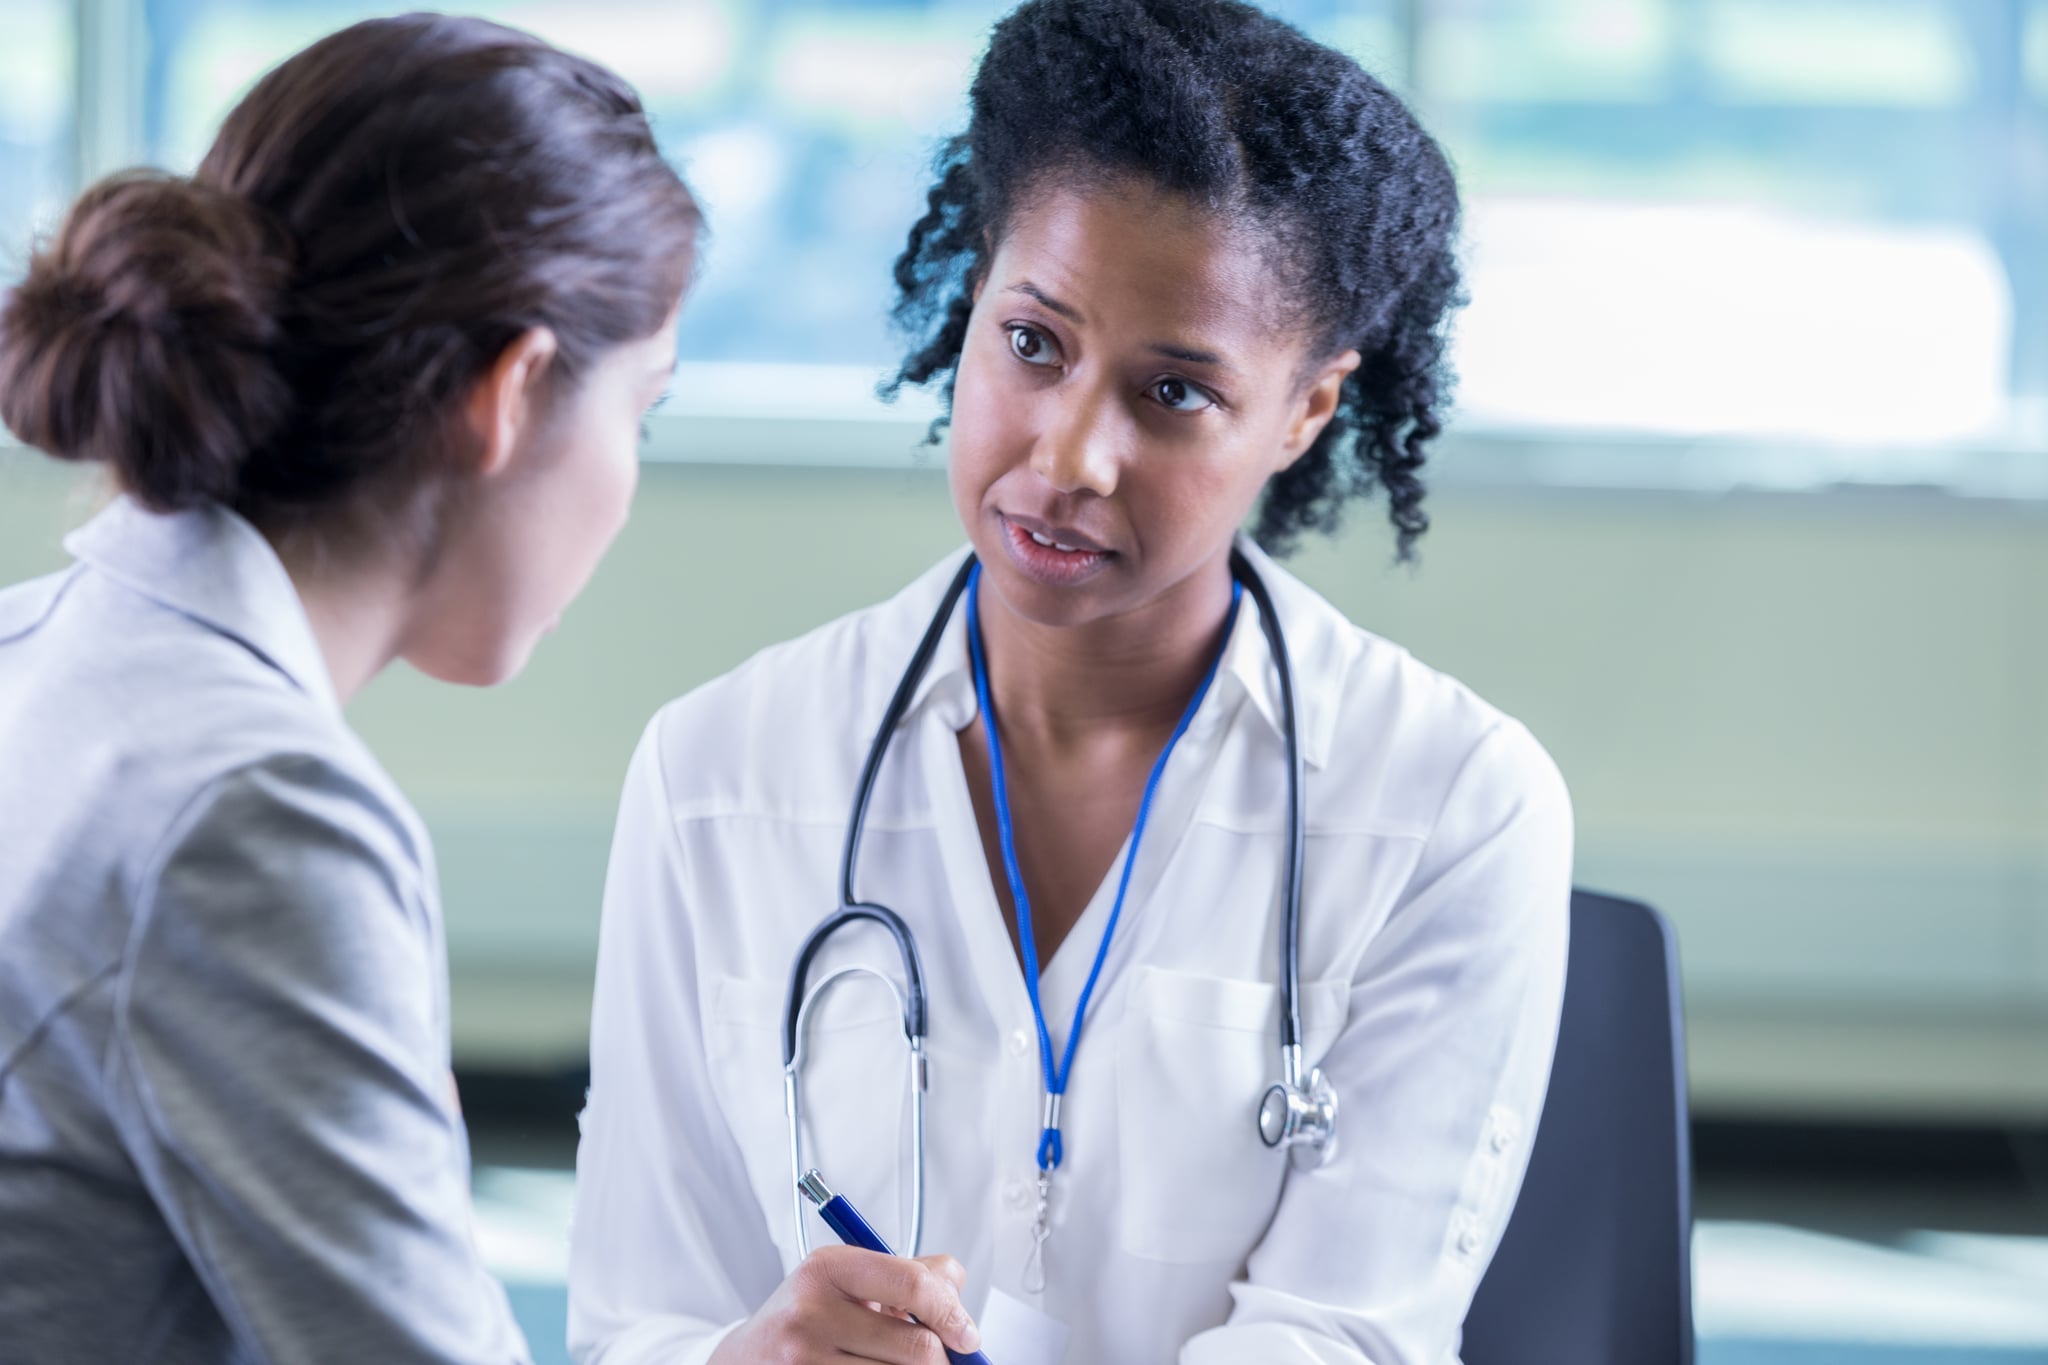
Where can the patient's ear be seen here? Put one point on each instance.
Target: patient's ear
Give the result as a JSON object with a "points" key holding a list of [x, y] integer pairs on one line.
{"points": [[504, 402]]}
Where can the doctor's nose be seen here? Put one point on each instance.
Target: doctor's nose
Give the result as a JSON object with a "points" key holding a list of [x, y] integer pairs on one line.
{"points": [[1079, 452]]}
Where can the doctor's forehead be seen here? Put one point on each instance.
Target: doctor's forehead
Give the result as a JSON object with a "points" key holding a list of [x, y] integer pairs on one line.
{"points": [[1124, 254]]}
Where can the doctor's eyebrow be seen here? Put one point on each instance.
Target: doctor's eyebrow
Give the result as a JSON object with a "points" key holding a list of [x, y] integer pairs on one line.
{"points": [[1065, 310], [1188, 355]]}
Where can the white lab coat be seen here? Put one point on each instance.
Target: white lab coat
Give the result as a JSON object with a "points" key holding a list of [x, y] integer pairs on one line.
{"points": [[1432, 951]]}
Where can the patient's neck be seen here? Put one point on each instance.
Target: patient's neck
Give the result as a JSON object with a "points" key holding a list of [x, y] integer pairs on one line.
{"points": [[359, 606]]}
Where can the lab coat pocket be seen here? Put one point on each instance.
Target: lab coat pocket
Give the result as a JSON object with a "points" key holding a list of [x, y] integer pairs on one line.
{"points": [[1194, 1058], [853, 1068]]}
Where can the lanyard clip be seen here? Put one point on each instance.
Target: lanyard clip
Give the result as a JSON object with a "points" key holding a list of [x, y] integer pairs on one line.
{"points": [[1050, 1148]]}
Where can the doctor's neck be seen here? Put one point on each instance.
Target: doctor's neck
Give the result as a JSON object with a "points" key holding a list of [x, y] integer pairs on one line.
{"points": [[1131, 671]]}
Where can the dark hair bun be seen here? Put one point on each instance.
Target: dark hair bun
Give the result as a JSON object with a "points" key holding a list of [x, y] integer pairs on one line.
{"points": [[144, 337]]}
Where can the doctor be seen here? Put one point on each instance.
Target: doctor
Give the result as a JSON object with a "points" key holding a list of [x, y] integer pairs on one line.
{"points": [[1186, 268]]}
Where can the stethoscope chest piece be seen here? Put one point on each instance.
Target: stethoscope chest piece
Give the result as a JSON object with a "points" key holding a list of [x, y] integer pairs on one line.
{"points": [[1300, 1115]]}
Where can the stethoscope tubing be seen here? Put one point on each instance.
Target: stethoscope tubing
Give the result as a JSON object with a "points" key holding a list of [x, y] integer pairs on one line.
{"points": [[1297, 824], [792, 1101], [911, 999]]}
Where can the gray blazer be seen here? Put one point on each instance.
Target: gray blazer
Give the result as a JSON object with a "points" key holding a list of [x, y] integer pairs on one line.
{"points": [[227, 1131]]}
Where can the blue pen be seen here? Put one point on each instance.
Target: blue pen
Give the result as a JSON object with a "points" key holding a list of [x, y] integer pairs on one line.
{"points": [[844, 1219]]}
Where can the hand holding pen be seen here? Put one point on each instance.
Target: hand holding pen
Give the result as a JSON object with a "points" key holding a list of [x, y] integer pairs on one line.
{"points": [[825, 1310], [845, 1220]]}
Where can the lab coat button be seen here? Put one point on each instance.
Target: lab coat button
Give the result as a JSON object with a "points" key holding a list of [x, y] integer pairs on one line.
{"points": [[1502, 1140], [1016, 1194], [1468, 1241], [1019, 1042]]}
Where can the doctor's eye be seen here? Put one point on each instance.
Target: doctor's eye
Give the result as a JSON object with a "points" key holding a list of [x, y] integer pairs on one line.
{"points": [[1032, 346], [1180, 396]]}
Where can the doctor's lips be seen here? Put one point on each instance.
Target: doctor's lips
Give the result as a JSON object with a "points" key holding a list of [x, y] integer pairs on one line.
{"points": [[1055, 555]]}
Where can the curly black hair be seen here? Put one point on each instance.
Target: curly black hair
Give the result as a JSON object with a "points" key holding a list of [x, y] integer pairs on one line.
{"points": [[1237, 109]]}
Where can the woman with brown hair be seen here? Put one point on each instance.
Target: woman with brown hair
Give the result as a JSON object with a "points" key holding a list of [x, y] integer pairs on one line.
{"points": [[369, 383]]}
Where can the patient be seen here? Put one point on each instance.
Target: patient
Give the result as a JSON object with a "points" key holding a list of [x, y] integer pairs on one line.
{"points": [[370, 384]]}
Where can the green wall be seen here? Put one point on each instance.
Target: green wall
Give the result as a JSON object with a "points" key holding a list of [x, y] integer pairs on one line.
{"points": [[1808, 726]]}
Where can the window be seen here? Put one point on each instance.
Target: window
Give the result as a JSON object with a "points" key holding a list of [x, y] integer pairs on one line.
{"points": [[1822, 219], [806, 129], [1818, 221], [36, 80]]}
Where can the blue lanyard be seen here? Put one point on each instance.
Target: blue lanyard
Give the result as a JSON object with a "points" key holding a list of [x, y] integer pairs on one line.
{"points": [[1050, 1148]]}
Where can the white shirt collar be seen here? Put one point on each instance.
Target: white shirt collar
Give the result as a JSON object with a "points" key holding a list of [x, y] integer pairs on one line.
{"points": [[209, 564], [1323, 646]]}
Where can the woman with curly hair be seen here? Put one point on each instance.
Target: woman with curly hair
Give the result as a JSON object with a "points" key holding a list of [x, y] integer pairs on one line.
{"points": [[1186, 270]]}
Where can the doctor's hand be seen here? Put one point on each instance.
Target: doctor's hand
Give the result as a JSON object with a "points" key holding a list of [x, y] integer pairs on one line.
{"points": [[843, 1301]]}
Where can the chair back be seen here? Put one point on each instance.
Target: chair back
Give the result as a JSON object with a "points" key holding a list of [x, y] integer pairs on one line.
{"points": [[1595, 1267]]}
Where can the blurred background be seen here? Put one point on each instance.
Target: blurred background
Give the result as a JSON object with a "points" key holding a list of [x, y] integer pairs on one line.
{"points": [[1744, 512]]}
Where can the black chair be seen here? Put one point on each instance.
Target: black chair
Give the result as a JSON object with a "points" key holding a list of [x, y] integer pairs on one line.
{"points": [[1596, 1265]]}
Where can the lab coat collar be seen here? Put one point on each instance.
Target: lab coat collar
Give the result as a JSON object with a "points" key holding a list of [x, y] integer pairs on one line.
{"points": [[1322, 646], [1321, 641], [947, 687], [211, 565]]}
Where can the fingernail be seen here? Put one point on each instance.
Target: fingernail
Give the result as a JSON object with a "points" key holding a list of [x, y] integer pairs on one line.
{"points": [[970, 1335]]}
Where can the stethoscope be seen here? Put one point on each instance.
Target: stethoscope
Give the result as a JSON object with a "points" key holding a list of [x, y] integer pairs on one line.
{"points": [[1297, 1113]]}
